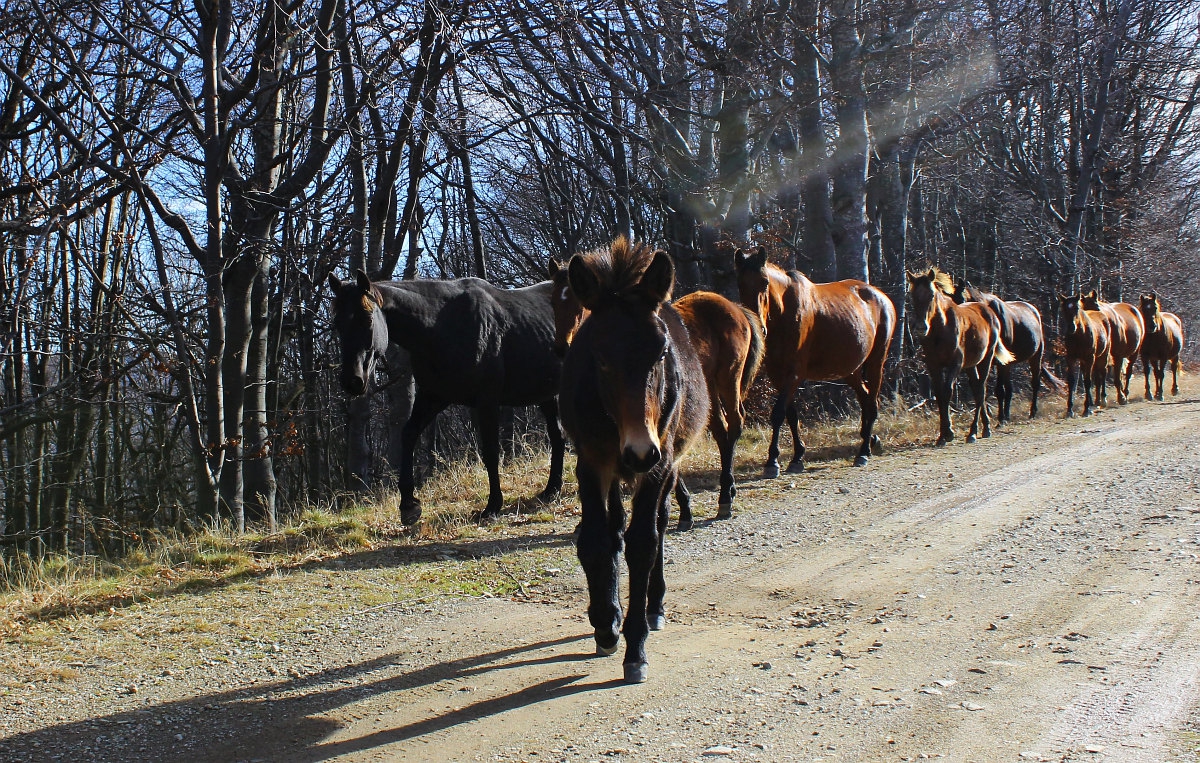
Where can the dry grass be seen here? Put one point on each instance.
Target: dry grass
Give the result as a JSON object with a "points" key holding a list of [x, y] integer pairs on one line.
{"points": [[39, 592]]}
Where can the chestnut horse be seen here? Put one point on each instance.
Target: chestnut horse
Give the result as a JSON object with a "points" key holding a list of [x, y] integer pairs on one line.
{"points": [[837, 331], [728, 340], [1161, 345], [1085, 339], [633, 399], [1022, 333], [955, 338], [1126, 329]]}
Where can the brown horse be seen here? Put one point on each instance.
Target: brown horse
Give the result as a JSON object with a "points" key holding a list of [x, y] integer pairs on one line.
{"points": [[1085, 338], [1022, 333], [955, 338], [1126, 329], [1161, 345], [729, 341], [817, 332], [633, 399]]}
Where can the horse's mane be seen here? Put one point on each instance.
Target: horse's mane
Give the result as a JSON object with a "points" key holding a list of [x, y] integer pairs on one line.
{"points": [[620, 267], [942, 281]]}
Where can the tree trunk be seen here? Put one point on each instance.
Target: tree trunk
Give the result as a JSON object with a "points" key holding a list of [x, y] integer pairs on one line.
{"points": [[850, 157]]}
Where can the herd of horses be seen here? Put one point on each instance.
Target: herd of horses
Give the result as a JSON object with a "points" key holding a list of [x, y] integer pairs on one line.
{"points": [[635, 378]]}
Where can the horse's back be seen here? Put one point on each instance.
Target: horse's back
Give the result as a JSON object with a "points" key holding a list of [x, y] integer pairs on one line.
{"points": [[693, 418], [1022, 333], [719, 329], [491, 344], [842, 323]]}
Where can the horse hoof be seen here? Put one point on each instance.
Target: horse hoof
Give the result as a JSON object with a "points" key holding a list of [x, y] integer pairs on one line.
{"points": [[548, 495], [986, 434], [861, 461], [607, 651], [876, 445], [770, 471], [1158, 397], [725, 511], [796, 467], [941, 442], [657, 622], [1070, 414], [1149, 396], [635, 672], [685, 525], [487, 516], [411, 514], [970, 438], [1175, 391]]}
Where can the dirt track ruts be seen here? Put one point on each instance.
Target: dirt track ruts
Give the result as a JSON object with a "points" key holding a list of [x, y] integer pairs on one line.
{"points": [[1047, 578]]}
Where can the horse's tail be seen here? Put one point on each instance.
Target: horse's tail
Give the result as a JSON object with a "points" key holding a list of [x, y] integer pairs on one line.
{"points": [[1003, 356], [754, 357], [1053, 381]]}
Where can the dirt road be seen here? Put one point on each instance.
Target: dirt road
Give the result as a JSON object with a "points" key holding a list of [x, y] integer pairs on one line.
{"points": [[1031, 597]]}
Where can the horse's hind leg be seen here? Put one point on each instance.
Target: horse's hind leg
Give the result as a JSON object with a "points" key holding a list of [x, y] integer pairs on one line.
{"points": [[557, 448], [425, 409], [1160, 372], [1128, 375], [599, 551], [683, 497], [868, 402], [1035, 381], [487, 421], [793, 416], [643, 545], [1004, 394], [977, 377], [1118, 368], [1175, 375]]}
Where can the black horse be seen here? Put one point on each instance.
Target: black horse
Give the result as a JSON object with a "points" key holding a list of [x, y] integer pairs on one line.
{"points": [[471, 344], [634, 400]]}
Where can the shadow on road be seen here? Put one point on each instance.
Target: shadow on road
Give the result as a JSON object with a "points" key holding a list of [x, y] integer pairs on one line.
{"points": [[281, 720]]}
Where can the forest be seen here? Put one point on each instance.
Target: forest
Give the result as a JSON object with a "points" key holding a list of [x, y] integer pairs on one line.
{"points": [[179, 179]]}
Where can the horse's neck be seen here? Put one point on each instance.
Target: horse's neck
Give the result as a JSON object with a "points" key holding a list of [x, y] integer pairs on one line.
{"points": [[795, 282], [410, 314]]}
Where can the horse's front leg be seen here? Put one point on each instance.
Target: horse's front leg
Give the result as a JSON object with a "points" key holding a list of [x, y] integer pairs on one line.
{"points": [[656, 614], [793, 417], [1089, 377], [557, 449], [487, 422], [425, 409], [642, 547], [945, 390], [778, 413], [1160, 373], [1072, 382], [599, 548]]}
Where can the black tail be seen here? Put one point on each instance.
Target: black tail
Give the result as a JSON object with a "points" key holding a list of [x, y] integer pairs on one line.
{"points": [[1052, 381], [754, 358]]}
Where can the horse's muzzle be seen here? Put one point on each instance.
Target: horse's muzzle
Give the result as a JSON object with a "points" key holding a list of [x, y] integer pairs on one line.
{"points": [[640, 462]]}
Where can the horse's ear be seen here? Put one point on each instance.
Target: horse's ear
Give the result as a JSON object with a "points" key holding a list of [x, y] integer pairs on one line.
{"points": [[658, 279], [364, 283], [584, 283], [552, 267], [1091, 294], [758, 260], [1153, 297], [335, 283], [912, 277], [739, 259]]}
